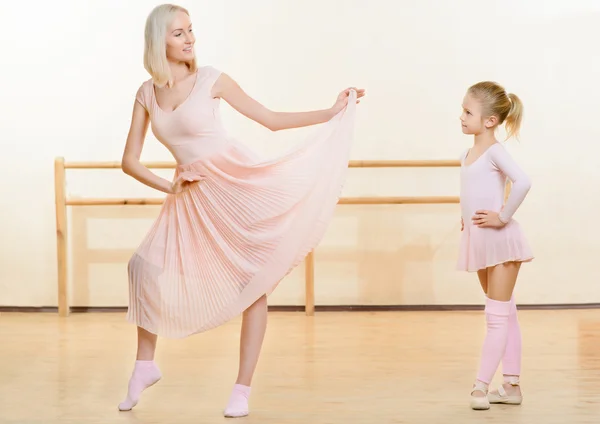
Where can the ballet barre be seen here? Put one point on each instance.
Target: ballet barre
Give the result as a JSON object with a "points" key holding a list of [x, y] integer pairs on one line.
{"points": [[62, 201]]}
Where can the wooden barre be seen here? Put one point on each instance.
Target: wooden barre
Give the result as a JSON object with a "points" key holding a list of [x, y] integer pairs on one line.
{"points": [[117, 165], [62, 201], [436, 163], [352, 164], [415, 200], [342, 201]]}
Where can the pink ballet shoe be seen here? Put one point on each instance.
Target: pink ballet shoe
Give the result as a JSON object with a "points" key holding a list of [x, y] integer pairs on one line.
{"points": [[145, 374], [500, 395], [480, 403], [238, 402]]}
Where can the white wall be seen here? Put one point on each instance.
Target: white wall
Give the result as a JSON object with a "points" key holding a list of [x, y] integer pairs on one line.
{"points": [[71, 69]]}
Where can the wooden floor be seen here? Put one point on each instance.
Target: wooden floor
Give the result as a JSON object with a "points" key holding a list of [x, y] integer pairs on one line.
{"points": [[348, 367]]}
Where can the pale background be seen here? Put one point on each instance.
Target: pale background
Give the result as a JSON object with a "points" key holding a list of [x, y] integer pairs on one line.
{"points": [[70, 70]]}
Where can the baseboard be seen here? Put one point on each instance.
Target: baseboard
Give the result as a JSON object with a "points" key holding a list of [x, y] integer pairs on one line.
{"points": [[321, 308], [428, 308]]}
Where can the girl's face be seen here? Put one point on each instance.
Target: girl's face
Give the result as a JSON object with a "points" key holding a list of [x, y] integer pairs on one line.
{"points": [[472, 120], [180, 39]]}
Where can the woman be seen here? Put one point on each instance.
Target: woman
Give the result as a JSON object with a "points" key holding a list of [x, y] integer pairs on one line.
{"points": [[231, 226]]}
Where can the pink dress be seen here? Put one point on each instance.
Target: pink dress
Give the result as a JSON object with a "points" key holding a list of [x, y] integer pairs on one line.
{"points": [[232, 237], [482, 187]]}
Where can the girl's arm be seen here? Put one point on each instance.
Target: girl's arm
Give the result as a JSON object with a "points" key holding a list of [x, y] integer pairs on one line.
{"points": [[520, 181], [130, 163], [227, 89]]}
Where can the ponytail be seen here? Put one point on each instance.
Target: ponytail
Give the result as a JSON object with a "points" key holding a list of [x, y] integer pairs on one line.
{"points": [[515, 117]]}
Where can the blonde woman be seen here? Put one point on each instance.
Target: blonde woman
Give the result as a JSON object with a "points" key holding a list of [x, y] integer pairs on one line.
{"points": [[232, 225]]}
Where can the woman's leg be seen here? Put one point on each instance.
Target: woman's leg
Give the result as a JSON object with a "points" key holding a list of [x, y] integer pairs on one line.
{"points": [[254, 325], [145, 372], [146, 345], [501, 281]]}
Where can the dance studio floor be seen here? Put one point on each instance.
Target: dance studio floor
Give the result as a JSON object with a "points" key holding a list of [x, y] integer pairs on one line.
{"points": [[335, 367]]}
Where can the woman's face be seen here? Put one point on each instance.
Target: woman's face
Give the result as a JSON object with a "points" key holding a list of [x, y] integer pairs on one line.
{"points": [[180, 39]]}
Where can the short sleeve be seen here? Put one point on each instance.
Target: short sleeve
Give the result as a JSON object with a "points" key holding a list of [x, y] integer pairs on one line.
{"points": [[142, 95], [213, 74], [210, 75]]}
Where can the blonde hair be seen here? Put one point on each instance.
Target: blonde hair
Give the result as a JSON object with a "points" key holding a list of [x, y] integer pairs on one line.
{"points": [[155, 46], [507, 107]]}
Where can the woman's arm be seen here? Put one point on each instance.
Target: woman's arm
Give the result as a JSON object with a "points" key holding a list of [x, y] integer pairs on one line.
{"points": [[229, 90], [130, 163]]}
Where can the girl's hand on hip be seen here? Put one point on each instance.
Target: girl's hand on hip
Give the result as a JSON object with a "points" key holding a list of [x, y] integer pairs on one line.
{"points": [[487, 219]]}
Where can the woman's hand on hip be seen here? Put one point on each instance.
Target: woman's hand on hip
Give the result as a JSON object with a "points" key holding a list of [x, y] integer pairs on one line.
{"points": [[183, 183]]}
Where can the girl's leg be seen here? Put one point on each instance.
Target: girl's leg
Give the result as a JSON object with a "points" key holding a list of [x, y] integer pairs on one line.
{"points": [[482, 275], [511, 363], [254, 325], [501, 281], [145, 373]]}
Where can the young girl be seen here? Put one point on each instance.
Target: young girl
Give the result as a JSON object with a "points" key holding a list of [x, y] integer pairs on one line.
{"points": [[232, 226], [492, 243]]}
